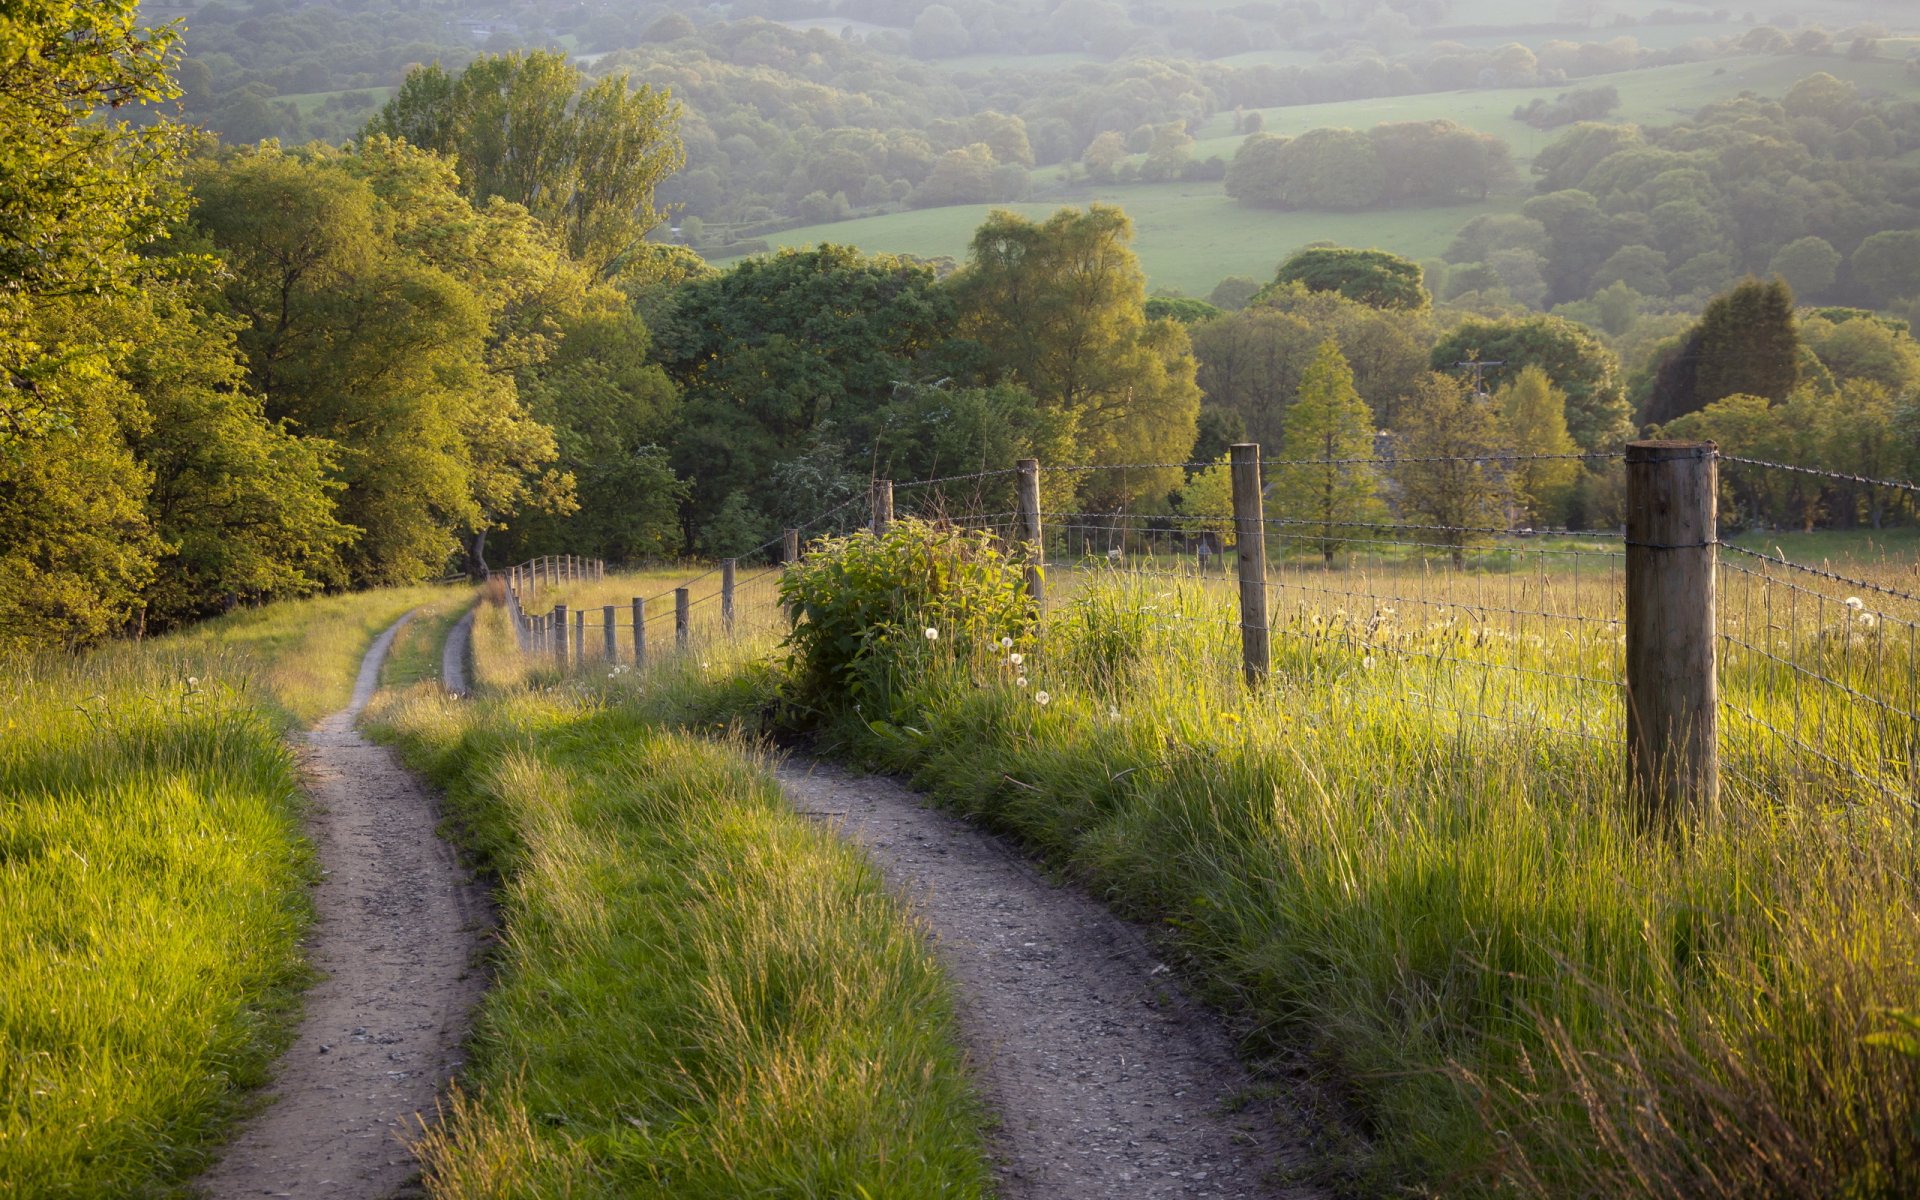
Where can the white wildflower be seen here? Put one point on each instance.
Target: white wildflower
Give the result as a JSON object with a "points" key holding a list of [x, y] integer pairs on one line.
{"points": [[1016, 659], [1041, 698], [1006, 643], [1868, 620], [1113, 713], [193, 681], [1856, 603], [933, 635], [1020, 682]]}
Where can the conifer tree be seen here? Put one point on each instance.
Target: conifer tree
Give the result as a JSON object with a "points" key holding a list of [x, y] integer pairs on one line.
{"points": [[1325, 487]]}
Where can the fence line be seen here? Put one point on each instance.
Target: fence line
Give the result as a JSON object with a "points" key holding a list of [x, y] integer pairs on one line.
{"points": [[1691, 655]]}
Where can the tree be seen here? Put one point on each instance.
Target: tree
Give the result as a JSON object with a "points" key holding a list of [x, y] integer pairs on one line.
{"points": [[1206, 502], [1250, 362], [1745, 343], [1808, 264], [584, 157], [1447, 464], [773, 351], [1059, 308], [389, 346], [1324, 485], [79, 190], [1575, 361], [1372, 277], [1533, 416], [1234, 292], [1888, 263]]}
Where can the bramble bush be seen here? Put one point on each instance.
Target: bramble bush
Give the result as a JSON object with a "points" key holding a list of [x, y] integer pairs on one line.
{"points": [[865, 607]]}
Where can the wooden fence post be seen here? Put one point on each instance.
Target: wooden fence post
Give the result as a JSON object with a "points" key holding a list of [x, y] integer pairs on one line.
{"points": [[580, 637], [610, 642], [726, 596], [1673, 752], [1250, 540], [682, 632], [1027, 517], [882, 506], [790, 546], [559, 618], [639, 632]]}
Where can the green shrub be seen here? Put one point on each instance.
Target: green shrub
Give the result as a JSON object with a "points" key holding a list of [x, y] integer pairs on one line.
{"points": [[864, 607]]}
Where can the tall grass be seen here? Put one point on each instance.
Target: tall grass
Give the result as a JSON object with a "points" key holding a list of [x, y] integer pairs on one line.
{"points": [[1413, 865], [699, 993], [153, 888]]}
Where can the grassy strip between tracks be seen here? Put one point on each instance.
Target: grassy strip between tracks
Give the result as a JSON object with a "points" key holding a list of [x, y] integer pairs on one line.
{"points": [[153, 887], [699, 992]]}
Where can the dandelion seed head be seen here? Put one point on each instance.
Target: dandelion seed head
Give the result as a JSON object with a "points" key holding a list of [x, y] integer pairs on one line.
{"points": [[1006, 643], [1016, 659], [1020, 682], [1856, 603], [933, 635], [1041, 698]]}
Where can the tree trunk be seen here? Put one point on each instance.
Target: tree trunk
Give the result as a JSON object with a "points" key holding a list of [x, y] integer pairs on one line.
{"points": [[477, 557]]}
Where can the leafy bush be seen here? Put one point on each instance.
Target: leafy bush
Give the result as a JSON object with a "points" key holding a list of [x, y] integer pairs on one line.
{"points": [[865, 606]]}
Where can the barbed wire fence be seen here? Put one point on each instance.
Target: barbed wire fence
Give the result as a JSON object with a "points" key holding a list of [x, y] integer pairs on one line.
{"points": [[1690, 653]]}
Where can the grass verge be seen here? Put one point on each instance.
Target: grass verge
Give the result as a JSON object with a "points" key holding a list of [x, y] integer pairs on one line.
{"points": [[699, 993], [153, 888], [1506, 985]]}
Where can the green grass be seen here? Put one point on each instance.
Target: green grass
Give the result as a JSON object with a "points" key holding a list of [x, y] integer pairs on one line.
{"points": [[1503, 983], [1188, 235], [153, 888], [415, 656], [699, 993]]}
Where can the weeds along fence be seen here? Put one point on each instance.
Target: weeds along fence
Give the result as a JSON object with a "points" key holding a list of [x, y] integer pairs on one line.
{"points": [[1697, 654]]}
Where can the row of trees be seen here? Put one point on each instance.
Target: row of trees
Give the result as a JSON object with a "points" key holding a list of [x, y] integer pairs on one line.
{"points": [[1456, 463], [248, 373], [1415, 164]]}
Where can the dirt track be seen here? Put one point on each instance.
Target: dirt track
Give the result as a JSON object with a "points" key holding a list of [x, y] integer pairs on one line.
{"points": [[397, 937], [1107, 1081]]}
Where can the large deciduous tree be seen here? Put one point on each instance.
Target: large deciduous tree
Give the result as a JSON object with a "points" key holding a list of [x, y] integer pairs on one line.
{"points": [[1058, 307], [1376, 278], [585, 157], [1533, 414], [1575, 361]]}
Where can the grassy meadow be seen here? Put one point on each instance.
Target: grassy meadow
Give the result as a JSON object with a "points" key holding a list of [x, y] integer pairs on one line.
{"points": [[698, 993], [1407, 860], [153, 882]]}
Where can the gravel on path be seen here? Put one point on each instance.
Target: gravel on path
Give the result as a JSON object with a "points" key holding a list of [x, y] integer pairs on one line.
{"points": [[397, 939], [1106, 1080]]}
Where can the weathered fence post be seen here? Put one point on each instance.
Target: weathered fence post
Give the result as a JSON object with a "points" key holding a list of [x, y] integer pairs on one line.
{"points": [[882, 506], [682, 631], [611, 642], [726, 596], [580, 637], [639, 632], [559, 619], [1027, 518], [1673, 751], [790, 546], [1250, 540]]}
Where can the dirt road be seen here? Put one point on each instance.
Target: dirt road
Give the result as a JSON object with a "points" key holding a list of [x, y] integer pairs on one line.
{"points": [[397, 938], [1107, 1081]]}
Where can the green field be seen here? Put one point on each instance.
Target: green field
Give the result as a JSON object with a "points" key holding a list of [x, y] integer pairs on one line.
{"points": [[1190, 236]]}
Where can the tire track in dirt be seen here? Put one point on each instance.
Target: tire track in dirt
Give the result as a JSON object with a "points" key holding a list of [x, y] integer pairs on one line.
{"points": [[1107, 1081], [397, 936]]}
